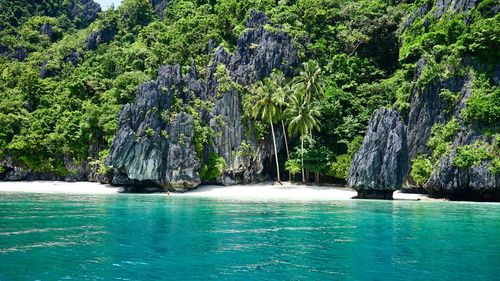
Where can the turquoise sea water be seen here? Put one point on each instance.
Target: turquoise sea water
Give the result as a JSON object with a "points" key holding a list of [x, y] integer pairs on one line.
{"points": [[141, 237]]}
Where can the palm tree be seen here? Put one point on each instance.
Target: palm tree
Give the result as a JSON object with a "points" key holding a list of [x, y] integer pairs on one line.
{"points": [[310, 82], [267, 110], [302, 115], [281, 89], [309, 85]]}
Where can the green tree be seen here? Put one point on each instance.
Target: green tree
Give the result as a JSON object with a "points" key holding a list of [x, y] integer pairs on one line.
{"points": [[303, 118], [281, 91], [267, 110], [310, 82]]}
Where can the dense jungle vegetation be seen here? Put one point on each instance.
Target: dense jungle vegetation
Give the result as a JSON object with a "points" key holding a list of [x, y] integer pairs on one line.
{"points": [[60, 97]]}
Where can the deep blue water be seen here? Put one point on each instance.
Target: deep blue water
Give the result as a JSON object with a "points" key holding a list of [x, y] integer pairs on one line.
{"points": [[141, 237]]}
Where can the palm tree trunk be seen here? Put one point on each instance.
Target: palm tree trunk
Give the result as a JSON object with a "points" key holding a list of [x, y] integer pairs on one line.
{"points": [[302, 159], [275, 151], [286, 141], [286, 146]]}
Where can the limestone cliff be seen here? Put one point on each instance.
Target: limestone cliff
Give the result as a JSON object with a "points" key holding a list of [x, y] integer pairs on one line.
{"points": [[156, 139], [431, 108], [380, 165]]}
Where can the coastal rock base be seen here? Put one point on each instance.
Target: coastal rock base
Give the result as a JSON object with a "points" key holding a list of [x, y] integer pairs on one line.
{"points": [[380, 165], [375, 194]]}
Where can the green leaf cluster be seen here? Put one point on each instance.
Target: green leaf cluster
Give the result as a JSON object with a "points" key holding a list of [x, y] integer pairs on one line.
{"points": [[213, 168]]}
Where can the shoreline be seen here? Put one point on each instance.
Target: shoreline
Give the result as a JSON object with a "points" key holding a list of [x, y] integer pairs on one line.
{"points": [[251, 192]]}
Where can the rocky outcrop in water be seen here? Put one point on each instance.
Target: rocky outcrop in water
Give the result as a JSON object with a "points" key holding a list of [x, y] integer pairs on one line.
{"points": [[477, 182], [428, 109], [155, 142], [380, 165]]}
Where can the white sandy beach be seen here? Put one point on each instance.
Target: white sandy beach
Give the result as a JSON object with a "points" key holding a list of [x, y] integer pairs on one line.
{"points": [[264, 191], [269, 191], [58, 187]]}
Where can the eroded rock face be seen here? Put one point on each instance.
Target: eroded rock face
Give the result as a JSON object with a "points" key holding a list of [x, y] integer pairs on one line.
{"points": [[420, 13], [457, 6], [235, 141], [153, 150], [97, 38], [381, 164], [258, 52], [427, 108], [47, 30], [150, 149], [86, 11], [475, 183], [15, 170]]}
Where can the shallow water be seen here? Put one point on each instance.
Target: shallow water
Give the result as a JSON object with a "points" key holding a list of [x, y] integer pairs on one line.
{"points": [[141, 237]]}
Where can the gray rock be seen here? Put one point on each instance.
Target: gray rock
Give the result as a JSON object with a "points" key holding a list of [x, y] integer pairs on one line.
{"points": [[16, 174], [457, 6], [148, 148], [496, 74], [380, 165], [141, 153], [182, 165], [159, 7], [230, 138], [475, 183], [258, 52], [420, 13], [427, 108], [45, 71], [47, 30], [19, 54], [73, 57], [99, 37], [86, 11], [257, 19]]}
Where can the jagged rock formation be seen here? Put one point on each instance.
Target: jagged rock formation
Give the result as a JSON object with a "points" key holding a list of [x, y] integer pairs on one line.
{"points": [[475, 183], [258, 52], [457, 6], [17, 171], [99, 37], [421, 12], [86, 11], [148, 148], [381, 164], [47, 30], [427, 108]]}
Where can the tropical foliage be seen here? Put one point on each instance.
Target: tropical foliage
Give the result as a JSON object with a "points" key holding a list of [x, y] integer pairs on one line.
{"points": [[60, 97]]}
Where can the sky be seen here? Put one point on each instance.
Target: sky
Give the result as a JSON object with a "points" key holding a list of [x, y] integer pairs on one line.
{"points": [[106, 3]]}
